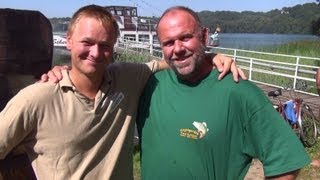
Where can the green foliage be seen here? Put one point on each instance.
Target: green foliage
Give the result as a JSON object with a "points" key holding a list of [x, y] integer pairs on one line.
{"points": [[60, 60], [288, 20], [298, 48], [59, 24], [136, 163], [300, 19], [309, 172], [315, 26], [132, 56], [124, 56]]}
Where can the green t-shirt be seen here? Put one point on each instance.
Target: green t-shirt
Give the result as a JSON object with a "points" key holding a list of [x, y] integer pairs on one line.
{"points": [[212, 130]]}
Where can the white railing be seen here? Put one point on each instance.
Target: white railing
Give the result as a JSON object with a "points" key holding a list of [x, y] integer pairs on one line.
{"points": [[277, 70], [141, 45]]}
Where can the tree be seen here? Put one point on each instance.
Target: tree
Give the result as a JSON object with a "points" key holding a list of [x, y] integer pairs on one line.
{"points": [[315, 26]]}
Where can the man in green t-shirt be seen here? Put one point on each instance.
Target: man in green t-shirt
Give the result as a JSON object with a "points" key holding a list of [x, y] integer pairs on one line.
{"points": [[316, 162], [193, 126]]}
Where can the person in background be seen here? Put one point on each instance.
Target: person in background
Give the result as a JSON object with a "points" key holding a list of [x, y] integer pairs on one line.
{"points": [[193, 126], [316, 162], [82, 127], [214, 38], [317, 77], [5, 94]]}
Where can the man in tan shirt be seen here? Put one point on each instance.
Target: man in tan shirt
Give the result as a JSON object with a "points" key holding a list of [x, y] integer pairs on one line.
{"points": [[83, 126]]}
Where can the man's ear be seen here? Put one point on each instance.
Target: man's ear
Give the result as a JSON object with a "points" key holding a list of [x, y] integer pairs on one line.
{"points": [[69, 41], [205, 35]]}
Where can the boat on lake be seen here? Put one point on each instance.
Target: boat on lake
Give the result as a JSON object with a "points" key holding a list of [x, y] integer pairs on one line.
{"points": [[132, 28]]}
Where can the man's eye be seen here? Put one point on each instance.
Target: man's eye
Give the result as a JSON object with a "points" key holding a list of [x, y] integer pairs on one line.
{"points": [[185, 39], [104, 46], [86, 43], [168, 44]]}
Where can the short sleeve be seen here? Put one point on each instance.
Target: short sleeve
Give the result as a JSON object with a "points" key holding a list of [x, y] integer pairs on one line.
{"points": [[273, 142]]}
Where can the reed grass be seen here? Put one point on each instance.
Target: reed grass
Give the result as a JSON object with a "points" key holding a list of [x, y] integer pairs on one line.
{"points": [[310, 48]]}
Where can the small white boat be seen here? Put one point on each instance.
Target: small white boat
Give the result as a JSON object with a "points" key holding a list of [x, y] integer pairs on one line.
{"points": [[59, 41]]}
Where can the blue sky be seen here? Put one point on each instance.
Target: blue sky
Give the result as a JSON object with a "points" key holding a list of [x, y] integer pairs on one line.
{"points": [[65, 8]]}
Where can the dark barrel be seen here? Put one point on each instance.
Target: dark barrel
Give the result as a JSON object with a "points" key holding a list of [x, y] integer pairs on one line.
{"points": [[26, 47], [26, 41]]}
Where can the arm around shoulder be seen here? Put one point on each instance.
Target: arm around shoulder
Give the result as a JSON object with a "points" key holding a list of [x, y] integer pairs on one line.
{"points": [[15, 124], [287, 176], [156, 65]]}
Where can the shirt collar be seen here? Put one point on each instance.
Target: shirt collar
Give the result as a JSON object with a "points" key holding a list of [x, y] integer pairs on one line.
{"points": [[67, 83]]}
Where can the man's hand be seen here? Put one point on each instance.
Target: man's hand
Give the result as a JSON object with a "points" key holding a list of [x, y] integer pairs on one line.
{"points": [[54, 75], [226, 64]]}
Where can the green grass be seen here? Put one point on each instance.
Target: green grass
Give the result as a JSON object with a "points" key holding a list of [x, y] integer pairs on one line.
{"points": [[297, 48], [126, 56], [136, 163], [310, 172], [131, 56]]}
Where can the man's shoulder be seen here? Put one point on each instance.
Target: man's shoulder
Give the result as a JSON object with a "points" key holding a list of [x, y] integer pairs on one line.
{"points": [[128, 69], [161, 76], [163, 73], [35, 94], [118, 66], [249, 86], [242, 84], [40, 90], [243, 88]]}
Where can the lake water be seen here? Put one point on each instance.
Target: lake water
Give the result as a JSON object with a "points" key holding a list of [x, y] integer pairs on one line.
{"points": [[242, 41], [255, 41]]}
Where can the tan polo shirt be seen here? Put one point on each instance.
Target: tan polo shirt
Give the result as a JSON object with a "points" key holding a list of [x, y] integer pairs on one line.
{"points": [[68, 136]]}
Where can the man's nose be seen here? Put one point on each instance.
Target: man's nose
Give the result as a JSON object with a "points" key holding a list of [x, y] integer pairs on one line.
{"points": [[95, 50], [178, 46]]}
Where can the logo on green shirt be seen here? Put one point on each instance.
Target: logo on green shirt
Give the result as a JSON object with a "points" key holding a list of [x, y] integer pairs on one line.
{"points": [[195, 134]]}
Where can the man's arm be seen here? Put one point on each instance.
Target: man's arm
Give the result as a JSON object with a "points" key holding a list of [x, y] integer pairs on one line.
{"points": [[224, 65], [16, 122], [54, 75], [163, 65], [287, 176]]}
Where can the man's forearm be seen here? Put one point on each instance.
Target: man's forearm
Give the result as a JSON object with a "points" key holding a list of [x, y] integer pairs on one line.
{"points": [[163, 65], [287, 176]]}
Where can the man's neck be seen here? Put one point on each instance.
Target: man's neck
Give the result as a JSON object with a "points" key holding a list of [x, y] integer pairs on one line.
{"points": [[202, 72], [88, 86]]}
